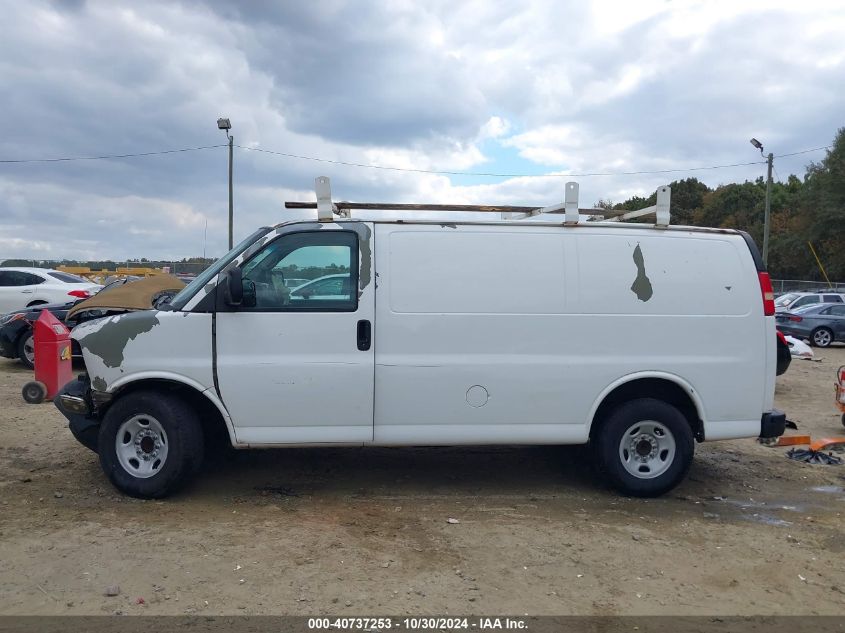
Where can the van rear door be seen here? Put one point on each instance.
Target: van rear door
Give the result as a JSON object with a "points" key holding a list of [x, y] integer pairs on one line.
{"points": [[296, 366]]}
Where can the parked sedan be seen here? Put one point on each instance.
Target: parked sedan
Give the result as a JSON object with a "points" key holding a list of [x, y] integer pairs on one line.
{"points": [[16, 340], [821, 324], [25, 287]]}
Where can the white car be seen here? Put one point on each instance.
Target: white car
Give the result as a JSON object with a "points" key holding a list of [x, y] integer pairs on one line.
{"points": [[792, 300], [24, 287], [295, 283], [329, 287]]}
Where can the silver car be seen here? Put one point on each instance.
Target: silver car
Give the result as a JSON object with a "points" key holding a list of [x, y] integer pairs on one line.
{"points": [[792, 300], [820, 323]]}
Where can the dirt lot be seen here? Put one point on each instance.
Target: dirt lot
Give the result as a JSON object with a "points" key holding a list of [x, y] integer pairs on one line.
{"points": [[349, 531]]}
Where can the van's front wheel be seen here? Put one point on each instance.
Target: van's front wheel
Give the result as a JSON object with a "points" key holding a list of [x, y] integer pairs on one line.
{"points": [[645, 447], [150, 443]]}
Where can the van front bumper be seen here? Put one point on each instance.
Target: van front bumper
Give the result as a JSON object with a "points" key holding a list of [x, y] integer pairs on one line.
{"points": [[772, 424], [73, 401]]}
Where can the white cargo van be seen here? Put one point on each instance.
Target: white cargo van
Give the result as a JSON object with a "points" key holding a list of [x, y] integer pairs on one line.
{"points": [[519, 327]]}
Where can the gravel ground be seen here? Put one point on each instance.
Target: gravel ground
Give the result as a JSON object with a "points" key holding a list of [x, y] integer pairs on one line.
{"points": [[366, 531]]}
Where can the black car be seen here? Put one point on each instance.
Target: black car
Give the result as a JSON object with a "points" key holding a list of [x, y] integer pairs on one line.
{"points": [[16, 340]]}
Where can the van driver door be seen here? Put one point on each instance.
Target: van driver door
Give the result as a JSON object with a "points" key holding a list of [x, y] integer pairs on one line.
{"points": [[294, 362]]}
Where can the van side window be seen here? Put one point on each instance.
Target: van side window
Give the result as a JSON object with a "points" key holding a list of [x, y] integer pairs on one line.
{"points": [[325, 263]]}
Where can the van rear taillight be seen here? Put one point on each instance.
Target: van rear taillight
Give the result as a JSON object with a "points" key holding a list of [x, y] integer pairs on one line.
{"points": [[768, 294]]}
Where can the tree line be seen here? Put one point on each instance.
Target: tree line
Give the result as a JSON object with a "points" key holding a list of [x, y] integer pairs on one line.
{"points": [[803, 211]]}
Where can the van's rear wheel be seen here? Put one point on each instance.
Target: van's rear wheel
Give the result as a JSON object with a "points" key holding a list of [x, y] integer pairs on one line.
{"points": [[645, 447], [150, 443]]}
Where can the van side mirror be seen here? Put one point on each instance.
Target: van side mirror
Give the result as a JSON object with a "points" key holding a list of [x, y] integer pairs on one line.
{"points": [[234, 290]]}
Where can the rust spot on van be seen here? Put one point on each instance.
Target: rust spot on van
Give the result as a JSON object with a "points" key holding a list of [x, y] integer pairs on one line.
{"points": [[642, 285]]}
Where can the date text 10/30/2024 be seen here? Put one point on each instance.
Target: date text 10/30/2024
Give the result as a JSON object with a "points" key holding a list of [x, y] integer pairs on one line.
{"points": [[416, 624]]}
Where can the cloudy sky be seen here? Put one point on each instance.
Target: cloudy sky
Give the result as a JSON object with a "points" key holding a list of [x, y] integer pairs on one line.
{"points": [[525, 87]]}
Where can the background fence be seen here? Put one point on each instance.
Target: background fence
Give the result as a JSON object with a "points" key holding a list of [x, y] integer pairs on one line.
{"points": [[781, 286]]}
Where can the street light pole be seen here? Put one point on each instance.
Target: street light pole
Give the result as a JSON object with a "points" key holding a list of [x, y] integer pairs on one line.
{"points": [[765, 216], [769, 160], [232, 212], [226, 125]]}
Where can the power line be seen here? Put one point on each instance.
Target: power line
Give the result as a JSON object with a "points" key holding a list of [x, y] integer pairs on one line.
{"points": [[403, 169], [804, 151], [108, 156], [493, 175]]}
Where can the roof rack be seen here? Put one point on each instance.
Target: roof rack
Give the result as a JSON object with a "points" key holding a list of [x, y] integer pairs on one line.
{"points": [[326, 209]]}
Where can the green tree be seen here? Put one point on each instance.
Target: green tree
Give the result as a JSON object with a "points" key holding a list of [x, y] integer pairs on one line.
{"points": [[687, 196], [824, 204]]}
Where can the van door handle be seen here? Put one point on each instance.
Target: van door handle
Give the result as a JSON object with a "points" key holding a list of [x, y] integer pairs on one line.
{"points": [[365, 335]]}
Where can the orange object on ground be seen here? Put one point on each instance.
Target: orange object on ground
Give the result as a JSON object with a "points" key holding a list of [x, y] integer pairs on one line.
{"points": [[793, 440], [827, 443]]}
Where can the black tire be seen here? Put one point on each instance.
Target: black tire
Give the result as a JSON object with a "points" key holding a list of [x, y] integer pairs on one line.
{"points": [[34, 392], [608, 438], [824, 334], [185, 443], [25, 339]]}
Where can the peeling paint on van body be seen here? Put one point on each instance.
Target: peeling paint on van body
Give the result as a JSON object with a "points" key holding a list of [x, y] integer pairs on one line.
{"points": [[642, 284], [119, 349]]}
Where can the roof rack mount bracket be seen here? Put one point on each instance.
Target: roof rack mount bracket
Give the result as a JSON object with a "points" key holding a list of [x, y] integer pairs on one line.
{"points": [[325, 208], [662, 207], [571, 203], [660, 210]]}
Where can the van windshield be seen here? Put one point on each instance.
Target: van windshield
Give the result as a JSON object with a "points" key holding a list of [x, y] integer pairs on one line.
{"points": [[212, 271]]}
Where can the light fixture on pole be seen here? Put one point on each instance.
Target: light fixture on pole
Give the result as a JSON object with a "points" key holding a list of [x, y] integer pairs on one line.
{"points": [[769, 160], [225, 124]]}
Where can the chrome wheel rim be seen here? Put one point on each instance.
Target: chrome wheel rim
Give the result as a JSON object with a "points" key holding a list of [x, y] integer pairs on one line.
{"points": [[822, 338], [647, 449], [141, 445], [29, 349]]}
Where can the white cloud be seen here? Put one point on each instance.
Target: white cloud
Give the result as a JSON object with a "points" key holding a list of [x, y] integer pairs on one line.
{"points": [[568, 87]]}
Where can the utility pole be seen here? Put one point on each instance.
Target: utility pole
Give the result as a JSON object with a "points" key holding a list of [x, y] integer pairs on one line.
{"points": [[225, 124], [765, 216], [769, 160], [232, 210]]}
